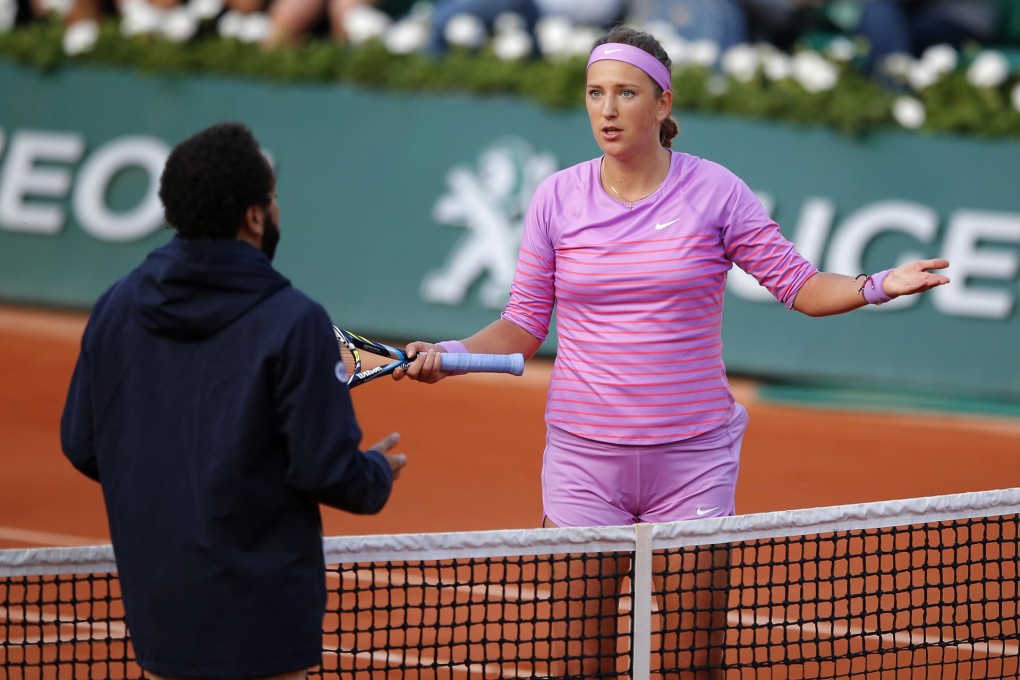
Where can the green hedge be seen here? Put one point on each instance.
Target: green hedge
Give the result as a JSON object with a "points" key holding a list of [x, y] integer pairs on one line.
{"points": [[856, 105]]}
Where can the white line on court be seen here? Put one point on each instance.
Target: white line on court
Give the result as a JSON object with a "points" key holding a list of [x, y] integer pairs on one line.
{"points": [[47, 538], [408, 659], [494, 591], [95, 631], [905, 638]]}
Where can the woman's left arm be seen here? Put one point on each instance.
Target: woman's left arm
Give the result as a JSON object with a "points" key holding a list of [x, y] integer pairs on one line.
{"points": [[825, 294]]}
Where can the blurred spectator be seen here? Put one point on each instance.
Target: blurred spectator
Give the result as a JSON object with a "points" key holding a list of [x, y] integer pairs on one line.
{"points": [[291, 21], [282, 22], [90, 10], [17, 12], [911, 26], [177, 20], [288, 22], [780, 22], [732, 22], [97, 10], [339, 10], [723, 22], [486, 15]]}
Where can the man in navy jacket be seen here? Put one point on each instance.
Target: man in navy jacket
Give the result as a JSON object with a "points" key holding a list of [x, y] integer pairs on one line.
{"points": [[206, 403]]}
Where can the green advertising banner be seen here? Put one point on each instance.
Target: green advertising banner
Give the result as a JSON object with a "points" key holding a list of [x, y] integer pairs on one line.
{"points": [[402, 214]]}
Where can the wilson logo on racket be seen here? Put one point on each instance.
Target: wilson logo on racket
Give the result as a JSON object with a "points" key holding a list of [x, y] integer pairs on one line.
{"points": [[349, 369]]}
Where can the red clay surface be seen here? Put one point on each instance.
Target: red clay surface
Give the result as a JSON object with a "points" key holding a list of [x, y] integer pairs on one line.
{"points": [[475, 447]]}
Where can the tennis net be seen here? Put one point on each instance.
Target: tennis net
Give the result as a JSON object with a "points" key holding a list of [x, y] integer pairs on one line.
{"points": [[923, 587]]}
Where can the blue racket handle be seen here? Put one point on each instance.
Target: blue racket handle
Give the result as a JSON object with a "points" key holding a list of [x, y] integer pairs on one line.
{"points": [[482, 363]]}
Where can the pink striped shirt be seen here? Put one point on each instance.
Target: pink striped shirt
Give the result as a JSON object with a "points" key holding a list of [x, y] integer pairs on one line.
{"points": [[639, 296]]}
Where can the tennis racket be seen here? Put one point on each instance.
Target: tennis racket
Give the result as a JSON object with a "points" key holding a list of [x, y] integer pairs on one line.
{"points": [[351, 346]]}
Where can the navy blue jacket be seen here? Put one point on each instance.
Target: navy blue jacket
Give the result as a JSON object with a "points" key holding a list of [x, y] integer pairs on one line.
{"points": [[205, 401]]}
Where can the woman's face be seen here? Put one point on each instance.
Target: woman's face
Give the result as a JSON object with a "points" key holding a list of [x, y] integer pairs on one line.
{"points": [[624, 108]]}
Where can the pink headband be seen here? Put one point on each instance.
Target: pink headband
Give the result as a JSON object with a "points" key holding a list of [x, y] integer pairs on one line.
{"points": [[635, 56]]}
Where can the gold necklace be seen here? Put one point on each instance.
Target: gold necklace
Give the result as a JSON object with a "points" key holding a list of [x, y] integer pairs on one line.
{"points": [[629, 204]]}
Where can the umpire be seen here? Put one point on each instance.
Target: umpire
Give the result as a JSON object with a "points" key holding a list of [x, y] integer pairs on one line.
{"points": [[205, 403]]}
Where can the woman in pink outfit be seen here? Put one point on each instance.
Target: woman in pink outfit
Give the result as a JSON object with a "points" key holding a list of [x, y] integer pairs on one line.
{"points": [[632, 249]]}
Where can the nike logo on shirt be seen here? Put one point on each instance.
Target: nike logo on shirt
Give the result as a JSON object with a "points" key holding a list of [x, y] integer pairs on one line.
{"points": [[704, 511], [663, 225]]}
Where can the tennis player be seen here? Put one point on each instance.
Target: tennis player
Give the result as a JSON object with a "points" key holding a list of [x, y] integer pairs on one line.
{"points": [[205, 402], [632, 249]]}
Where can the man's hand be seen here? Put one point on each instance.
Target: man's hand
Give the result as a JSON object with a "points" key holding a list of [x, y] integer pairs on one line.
{"points": [[396, 460]]}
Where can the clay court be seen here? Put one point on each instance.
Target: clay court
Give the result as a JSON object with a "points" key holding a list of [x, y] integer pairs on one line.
{"points": [[475, 445]]}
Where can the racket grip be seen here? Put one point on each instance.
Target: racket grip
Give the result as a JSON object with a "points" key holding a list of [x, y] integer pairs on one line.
{"points": [[482, 363]]}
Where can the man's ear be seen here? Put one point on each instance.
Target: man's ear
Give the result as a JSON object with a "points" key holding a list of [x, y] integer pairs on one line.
{"points": [[253, 226], [255, 219]]}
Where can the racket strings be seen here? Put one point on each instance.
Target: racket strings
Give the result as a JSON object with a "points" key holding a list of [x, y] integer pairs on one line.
{"points": [[352, 362]]}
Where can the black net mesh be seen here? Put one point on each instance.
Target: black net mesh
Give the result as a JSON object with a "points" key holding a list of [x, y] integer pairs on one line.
{"points": [[925, 599]]}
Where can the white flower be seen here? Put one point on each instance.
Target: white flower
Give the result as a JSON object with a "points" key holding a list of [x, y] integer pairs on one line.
{"points": [[940, 58], [406, 36], [363, 23], [179, 25], [677, 49], [909, 112], [814, 72], [138, 17], [512, 45], [741, 62], [465, 30], [1015, 96], [704, 53], [581, 40], [777, 66], [897, 65], [553, 35], [80, 37], [8, 14], [922, 75], [229, 25], [841, 49], [989, 69], [203, 10], [255, 27]]}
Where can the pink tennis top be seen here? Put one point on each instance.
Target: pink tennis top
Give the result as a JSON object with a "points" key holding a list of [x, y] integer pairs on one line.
{"points": [[638, 295]]}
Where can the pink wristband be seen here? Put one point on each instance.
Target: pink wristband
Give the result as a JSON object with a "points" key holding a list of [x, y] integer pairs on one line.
{"points": [[872, 289], [454, 346]]}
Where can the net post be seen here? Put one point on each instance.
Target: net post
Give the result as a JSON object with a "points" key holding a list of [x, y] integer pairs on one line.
{"points": [[641, 604]]}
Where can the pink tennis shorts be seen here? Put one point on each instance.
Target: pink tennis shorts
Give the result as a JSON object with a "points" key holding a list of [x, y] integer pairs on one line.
{"points": [[592, 483]]}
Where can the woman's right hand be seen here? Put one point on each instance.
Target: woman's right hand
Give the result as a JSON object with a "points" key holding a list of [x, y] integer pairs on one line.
{"points": [[426, 365]]}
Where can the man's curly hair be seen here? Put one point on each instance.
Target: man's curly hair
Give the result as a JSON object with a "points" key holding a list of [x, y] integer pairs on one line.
{"points": [[211, 179]]}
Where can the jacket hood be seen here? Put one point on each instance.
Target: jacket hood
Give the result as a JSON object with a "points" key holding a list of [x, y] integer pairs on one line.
{"points": [[191, 289]]}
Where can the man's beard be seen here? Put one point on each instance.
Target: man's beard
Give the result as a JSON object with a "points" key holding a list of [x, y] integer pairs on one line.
{"points": [[270, 237]]}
